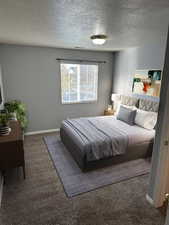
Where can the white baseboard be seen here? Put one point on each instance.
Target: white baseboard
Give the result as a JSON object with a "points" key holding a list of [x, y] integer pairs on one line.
{"points": [[42, 131], [149, 199]]}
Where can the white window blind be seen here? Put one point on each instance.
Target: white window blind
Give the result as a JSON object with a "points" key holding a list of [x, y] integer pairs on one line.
{"points": [[79, 82]]}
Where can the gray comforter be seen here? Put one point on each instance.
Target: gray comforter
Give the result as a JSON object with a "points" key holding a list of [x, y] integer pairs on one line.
{"points": [[100, 138]]}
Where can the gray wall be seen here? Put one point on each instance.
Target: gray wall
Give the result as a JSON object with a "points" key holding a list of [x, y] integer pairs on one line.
{"points": [[31, 74], [130, 60]]}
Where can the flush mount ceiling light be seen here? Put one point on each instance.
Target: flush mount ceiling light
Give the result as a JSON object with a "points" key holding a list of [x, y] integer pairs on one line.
{"points": [[99, 39]]}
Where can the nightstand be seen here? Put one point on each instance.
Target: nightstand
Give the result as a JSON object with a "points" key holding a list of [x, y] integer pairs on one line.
{"points": [[109, 112], [12, 149]]}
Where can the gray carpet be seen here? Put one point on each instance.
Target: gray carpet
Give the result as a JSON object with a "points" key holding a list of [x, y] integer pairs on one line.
{"points": [[76, 182], [40, 199]]}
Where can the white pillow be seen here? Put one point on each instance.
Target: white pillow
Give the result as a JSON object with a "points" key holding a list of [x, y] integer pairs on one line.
{"points": [[146, 119]]}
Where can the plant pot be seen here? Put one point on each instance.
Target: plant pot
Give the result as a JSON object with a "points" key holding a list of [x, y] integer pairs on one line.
{"points": [[4, 130], [12, 116]]}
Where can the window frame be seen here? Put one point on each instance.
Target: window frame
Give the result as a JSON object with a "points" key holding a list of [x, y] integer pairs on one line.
{"points": [[84, 101]]}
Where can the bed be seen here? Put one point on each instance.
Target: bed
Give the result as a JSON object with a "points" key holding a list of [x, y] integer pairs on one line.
{"points": [[100, 141]]}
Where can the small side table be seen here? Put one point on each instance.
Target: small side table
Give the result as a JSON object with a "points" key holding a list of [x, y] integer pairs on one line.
{"points": [[109, 112]]}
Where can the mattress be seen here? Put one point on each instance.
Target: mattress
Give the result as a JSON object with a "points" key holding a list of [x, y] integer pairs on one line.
{"points": [[139, 140]]}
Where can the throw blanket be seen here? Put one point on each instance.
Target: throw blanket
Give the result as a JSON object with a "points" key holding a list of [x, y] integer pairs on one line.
{"points": [[103, 140]]}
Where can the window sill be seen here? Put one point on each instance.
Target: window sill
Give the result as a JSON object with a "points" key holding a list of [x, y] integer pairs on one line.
{"points": [[81, 102]]}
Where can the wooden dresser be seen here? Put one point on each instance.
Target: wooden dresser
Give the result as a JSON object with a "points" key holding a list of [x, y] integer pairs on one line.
{"points": [[12, 149]]}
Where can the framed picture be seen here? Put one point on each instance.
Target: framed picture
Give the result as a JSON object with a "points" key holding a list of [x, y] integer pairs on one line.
{"points": [[147, 82]]}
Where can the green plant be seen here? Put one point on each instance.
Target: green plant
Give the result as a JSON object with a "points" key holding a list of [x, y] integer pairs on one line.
{"points": [[4, 119], [19, 108]]}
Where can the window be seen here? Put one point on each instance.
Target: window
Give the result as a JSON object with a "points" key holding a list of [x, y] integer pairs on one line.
{"points": [[78, 82]]}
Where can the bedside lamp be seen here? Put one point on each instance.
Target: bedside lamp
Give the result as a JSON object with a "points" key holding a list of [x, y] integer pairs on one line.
{"points": [[115, 99], [109, 108]]}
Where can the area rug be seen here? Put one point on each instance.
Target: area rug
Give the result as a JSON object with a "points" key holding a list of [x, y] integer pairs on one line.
{"points": [[76, 182]]}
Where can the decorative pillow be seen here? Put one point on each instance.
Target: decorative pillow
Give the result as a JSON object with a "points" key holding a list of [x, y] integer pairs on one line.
{"points": [[148, 105], [126, 106], [146, 119], [126, 115]]}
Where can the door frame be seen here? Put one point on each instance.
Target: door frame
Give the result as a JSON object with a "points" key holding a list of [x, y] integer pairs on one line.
{"points": [[159, 176]]}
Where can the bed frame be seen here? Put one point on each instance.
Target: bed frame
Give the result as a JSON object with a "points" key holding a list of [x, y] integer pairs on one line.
{"points": [[143, 150], [135, 152]]}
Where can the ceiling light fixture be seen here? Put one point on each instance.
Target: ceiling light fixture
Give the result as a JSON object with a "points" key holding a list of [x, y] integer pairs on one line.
{"points": [[99, 39]]}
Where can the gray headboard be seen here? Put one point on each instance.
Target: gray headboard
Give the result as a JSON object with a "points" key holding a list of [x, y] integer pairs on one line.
{"points": [[140, 102], [148, 105]]}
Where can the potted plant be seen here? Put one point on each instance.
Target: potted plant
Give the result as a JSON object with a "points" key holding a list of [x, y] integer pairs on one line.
{"points": [[17, 110], [12, 116], [4, 124]]}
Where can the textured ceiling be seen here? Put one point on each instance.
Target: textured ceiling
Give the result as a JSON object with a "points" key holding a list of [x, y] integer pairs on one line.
{"points": [[70, 23]]}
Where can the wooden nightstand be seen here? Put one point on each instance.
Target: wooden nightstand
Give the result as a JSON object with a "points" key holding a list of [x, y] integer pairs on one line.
{"points": [[11, 148], [109, 112]]}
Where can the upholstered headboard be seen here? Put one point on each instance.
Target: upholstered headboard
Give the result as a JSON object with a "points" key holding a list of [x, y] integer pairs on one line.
{"points": [[148, 105], [141, 103], [128, 100]]}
